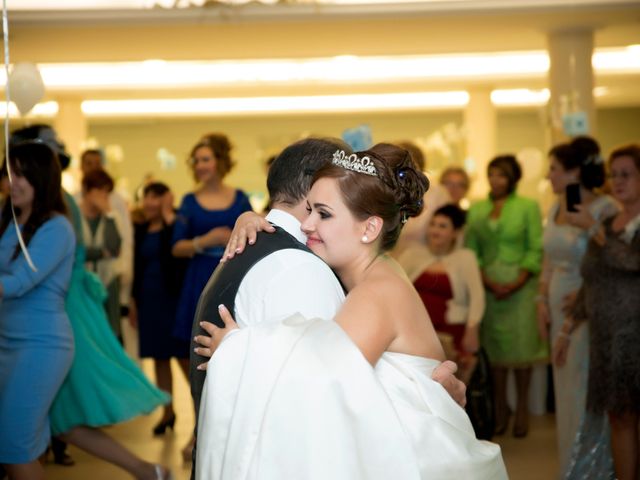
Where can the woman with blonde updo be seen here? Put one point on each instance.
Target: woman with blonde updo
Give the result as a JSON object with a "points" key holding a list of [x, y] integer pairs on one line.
{"points": [[353, 397], [204, 222], [202, 229]]}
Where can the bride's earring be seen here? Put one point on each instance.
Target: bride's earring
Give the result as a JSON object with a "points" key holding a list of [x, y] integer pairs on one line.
{"points": [[365, 239]]}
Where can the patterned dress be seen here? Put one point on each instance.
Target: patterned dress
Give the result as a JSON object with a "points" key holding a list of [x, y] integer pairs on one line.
{"points": [[610, 302]]}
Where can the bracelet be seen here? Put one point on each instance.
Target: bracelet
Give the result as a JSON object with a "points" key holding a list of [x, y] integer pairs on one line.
{"points": [[196, 245], [540, 298], [593, 229]]}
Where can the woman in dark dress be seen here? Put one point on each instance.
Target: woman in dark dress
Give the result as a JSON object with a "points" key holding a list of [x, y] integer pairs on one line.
{"points": [[204, 222], [610, 302], [203, 227], [158, 276]]}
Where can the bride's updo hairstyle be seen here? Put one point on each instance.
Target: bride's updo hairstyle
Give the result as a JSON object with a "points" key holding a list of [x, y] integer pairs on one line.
{"points": [[394, 192]]}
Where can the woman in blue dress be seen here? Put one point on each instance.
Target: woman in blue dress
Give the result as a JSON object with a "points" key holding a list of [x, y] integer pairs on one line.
{"points": [[157, 278], [205, 219], [203, 227], [103, 386], [36, 340]]}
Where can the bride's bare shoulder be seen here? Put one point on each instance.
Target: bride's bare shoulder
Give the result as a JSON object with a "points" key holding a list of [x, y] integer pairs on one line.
{"points": [[387, 284]]}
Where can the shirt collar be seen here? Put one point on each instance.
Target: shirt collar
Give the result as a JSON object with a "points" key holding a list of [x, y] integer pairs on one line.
{"points": [[511, 196], [288, 223]]}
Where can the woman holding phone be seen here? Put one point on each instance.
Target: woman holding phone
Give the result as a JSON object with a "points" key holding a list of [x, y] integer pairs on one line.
{"points": [[576, 170]]}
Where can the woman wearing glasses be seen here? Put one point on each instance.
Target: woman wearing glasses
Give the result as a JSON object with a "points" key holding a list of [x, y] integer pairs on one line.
{"points": [[609, 301]]}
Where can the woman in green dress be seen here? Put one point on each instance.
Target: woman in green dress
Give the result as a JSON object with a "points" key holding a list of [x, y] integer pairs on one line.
{"points": [[505, 232]]}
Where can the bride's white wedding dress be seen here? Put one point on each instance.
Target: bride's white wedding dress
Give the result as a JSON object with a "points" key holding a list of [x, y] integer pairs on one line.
{"points": [[297, 400]]}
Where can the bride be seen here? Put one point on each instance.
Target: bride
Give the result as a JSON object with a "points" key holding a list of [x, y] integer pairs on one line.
{"points": [[300, 399]]}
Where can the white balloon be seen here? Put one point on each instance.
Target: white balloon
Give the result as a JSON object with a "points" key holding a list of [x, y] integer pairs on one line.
{"points": [[26, 86]]}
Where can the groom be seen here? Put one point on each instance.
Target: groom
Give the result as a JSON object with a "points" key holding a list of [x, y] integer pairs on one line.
{"points": [[279, 276]]}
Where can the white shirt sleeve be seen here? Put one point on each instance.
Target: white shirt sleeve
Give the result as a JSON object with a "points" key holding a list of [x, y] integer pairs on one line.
{"points": [[473, 280], [284, 283], [125, 259]]}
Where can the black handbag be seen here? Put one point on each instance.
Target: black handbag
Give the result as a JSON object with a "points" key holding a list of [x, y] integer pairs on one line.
{"points": [[480, 406]]}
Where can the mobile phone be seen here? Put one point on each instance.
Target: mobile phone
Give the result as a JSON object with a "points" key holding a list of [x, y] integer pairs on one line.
{"points": [[572, 194]]}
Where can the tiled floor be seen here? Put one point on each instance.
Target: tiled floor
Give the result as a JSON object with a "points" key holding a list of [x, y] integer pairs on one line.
{"points": [[532, 458]]}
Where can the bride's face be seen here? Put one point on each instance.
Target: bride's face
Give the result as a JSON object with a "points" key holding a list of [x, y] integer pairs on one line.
{"points": [[333, 233]]}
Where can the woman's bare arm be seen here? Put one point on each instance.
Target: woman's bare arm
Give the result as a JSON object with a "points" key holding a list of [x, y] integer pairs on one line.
{"points": [[363, 317], [245, 230]]}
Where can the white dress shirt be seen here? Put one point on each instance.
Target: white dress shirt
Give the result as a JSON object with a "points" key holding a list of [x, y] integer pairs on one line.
{"points": [[287, 282], [125, 259]]}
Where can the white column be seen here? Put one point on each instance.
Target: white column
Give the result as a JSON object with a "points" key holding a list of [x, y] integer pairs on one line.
{"points": [[570, 78], [480, 119], [71, 125]]}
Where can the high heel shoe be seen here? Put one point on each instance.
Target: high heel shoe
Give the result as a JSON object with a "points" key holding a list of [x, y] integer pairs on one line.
{"points": [[187, 451], [162, 426], [502, 422], [162, 473], [59, 450], [521, 424]]}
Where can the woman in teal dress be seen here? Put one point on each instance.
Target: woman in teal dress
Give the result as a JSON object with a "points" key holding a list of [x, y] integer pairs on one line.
{"points": [[36, 340], [505, 232], [104, 386]]}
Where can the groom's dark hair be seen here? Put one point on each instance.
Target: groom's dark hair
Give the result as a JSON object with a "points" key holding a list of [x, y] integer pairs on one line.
{"points": [[290, 174]]}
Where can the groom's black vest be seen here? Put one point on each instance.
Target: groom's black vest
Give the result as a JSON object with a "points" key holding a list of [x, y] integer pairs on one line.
{"points": [[222, 288]]}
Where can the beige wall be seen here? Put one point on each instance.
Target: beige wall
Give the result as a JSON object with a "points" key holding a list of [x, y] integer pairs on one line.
{"points": [[255, 138]]}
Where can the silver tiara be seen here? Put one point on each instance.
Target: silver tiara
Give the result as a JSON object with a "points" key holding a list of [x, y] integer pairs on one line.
{"points": [[354, 163]]}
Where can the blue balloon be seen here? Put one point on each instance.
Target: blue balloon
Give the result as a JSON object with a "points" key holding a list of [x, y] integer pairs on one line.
{"points": [[358, 138]]}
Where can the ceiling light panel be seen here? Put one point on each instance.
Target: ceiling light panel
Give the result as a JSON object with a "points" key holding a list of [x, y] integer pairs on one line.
{"points": [[161, 74], [287, 105]]}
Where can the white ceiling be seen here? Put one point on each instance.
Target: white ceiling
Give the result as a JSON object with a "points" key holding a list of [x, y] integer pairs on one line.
{"points": [[43, 31]]}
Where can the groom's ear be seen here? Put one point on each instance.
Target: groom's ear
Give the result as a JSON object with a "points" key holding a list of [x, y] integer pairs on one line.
{"points": [[373, 227]]}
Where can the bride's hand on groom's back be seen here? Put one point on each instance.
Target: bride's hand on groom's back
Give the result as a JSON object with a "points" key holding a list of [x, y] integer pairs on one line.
{"points": [[245, 230], [209, 343], [444, 374]]}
